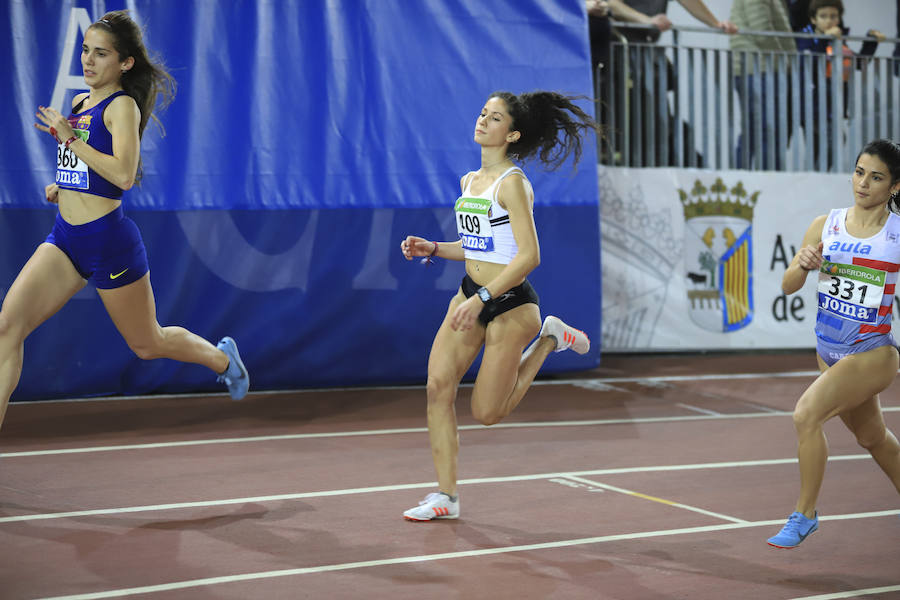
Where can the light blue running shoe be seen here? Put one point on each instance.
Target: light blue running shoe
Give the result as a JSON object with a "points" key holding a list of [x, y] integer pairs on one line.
{"points": [[235, 376], [797, 529]]}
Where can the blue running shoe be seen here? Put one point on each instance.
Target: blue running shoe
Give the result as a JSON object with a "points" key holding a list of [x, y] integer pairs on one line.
{"points": [[797, 528], [235, 376]]}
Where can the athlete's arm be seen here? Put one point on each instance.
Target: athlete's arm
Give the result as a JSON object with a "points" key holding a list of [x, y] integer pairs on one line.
{"points": [[414, 246], [122, 117], [514, 196], [808, 258]]}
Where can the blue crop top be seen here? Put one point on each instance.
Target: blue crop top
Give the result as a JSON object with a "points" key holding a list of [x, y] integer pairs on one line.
{"points": [[73, 173]]}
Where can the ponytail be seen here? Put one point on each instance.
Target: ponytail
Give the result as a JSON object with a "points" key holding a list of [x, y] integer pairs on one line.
{"points": [[550, 125]]}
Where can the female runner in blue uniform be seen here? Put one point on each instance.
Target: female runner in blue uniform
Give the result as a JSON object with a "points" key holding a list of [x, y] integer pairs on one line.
{"points": [[98, 156], [495, 307], [856, 252]]}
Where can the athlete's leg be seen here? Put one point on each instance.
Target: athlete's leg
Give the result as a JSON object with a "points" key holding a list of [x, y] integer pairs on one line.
{"points": [[133, 311], [867, 424], [842, 387], [452, 353], [505, 373], [46, 282]]}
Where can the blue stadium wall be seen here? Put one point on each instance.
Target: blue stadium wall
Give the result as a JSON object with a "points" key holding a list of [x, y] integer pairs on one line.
{"points": [[307, 138]]}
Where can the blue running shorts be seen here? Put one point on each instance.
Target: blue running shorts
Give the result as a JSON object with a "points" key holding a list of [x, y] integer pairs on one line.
{"points": [[108, 251]]}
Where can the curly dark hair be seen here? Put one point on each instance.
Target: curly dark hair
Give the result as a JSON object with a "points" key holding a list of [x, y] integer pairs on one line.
{"points": [[550, 126]]}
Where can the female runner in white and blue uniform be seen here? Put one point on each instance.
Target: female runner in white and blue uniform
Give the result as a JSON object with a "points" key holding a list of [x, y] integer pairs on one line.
{"points": [[856, 252], [98, 156], [495, 307]]}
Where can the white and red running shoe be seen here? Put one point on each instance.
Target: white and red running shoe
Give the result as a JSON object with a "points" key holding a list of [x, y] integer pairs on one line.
{"points": [[436, 505], [566, 336]]}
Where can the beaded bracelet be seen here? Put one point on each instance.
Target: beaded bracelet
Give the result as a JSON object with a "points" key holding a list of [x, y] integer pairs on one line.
{"points": [[429, 260]]}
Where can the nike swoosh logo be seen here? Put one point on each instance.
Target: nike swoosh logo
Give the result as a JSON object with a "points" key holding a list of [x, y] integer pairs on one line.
{"points": [[111, 276]]}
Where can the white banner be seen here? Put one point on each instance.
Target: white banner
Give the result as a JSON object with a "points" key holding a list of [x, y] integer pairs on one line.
{"points": [[693, 260]]}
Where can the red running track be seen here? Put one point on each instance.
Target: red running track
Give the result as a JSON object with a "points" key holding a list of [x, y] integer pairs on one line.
{"points": [[649, 478]]}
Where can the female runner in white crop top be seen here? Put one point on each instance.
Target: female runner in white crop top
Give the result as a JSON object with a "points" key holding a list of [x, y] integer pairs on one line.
{"points": [[495, 307]]}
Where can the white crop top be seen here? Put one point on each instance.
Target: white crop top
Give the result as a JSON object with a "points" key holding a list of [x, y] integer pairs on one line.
{"points": [[483, 224]]}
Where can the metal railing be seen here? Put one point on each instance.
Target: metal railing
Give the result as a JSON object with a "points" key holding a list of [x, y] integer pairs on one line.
{"points": [[684, 106]]}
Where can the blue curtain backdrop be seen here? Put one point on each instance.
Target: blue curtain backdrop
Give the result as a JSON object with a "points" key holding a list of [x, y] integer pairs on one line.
{"points": [[307, 138]]}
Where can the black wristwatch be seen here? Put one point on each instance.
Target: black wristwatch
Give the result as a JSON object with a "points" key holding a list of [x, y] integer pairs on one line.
{"points": [[484, 294]]}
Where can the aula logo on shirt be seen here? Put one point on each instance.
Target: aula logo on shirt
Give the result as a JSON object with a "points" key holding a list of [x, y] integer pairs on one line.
{"points": [[857, 248]]}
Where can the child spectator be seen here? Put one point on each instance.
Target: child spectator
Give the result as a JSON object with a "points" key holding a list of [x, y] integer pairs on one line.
{"points": [[826, 19]]}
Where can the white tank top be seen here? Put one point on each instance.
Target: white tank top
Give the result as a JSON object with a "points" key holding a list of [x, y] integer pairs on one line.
{"points": [[856, 280], [483, 225]]}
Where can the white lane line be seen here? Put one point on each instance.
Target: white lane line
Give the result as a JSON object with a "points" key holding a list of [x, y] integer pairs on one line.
{"points": [[852, 593], [409, 486], [408, 430], [597, 380], [755, 406], [613, 488], [196, 583], [704, 411]]}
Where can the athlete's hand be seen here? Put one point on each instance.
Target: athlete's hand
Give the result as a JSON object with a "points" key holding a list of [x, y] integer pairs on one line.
{"points": [[465, 315], [414, 246], [53, 122], [810, 257], [51, 192]]}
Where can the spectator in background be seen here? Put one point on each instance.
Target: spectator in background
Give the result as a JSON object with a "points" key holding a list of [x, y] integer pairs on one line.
{"points": [[756, 86], [653, 12], [799, 12], [600, 34], [897, 45], [826, 19]]}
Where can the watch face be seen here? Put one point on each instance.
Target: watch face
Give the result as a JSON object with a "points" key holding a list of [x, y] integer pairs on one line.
{"points": [[484, 294]]}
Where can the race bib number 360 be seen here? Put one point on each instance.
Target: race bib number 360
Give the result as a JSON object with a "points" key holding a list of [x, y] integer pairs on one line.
{"points": [[850, 291], [70, 171], [474, 224]]}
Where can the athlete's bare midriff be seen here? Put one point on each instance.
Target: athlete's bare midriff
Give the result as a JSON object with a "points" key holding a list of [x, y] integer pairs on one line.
{"points": [[483, 273], [78, 208]]}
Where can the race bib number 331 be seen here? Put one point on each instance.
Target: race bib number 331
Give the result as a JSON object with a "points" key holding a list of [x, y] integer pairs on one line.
{"points": [[851, 291], [473, 223]]}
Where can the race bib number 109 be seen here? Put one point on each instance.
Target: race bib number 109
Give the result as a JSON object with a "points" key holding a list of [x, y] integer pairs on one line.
{"points": [[474, 224], [851, 291]]}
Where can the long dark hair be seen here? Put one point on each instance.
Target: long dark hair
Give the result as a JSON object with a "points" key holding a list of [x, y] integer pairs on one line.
{"points": [[889, 153], [148, 78], [550, 125]]}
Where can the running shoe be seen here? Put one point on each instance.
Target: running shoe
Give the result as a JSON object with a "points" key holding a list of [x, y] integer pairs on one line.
{"points": [[235, 376], [797, 529], [565, 336], [436, 505]]}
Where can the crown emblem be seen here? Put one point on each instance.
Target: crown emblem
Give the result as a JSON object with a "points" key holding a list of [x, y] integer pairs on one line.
{"points": [[718, 200]]}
